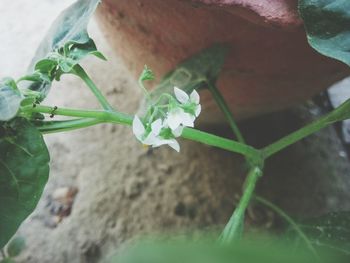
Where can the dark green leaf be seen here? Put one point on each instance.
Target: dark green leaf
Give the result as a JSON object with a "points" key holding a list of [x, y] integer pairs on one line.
{"points": [[10, 99], [72, 54], [329, 233], [46, 66], [24, 170], [15, 246], [77, 52], [327, 24], [36, 76], [69, 29]]}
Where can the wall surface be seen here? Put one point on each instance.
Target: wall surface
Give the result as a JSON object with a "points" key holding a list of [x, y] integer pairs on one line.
{"points": [[124, 190]]}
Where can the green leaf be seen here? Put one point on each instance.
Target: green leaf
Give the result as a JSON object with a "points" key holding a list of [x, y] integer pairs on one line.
{"points": [[24, 170], [69, 27], [146, 74], [175, 250], [194, 72], [327, 24], [67, 33], [72, 54], [330, 233], [15, 246], [36, 76], [46, 66], [10, 99]]}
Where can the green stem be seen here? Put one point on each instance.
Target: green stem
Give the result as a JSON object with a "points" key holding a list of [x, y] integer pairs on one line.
{"points": [[145, 92], [101, 115], [289, 220], [226, 144], [234, 228], [47, 127], [80, 72], [120, 118], [295, 136], [226, 110]]}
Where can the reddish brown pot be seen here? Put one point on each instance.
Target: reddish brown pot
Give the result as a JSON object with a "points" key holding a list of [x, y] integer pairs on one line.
{"points": [[270, 66]]}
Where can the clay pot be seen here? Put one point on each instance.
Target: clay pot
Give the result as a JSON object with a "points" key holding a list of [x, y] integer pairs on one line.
{"points": [[270, 65]]}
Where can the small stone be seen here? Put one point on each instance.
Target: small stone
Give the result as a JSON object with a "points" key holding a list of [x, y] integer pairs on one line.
{"points": [[180, 209], [65, 195], [61, 202]]}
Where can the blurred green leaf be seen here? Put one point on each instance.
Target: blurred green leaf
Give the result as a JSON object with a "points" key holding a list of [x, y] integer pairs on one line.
{"points": [[265, 250], [7, 260], [24, 170], [327, 24], [194, 72]]}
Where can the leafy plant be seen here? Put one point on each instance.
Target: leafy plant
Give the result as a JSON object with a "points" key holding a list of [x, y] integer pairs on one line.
{"points": [[327, 25], [24, 162], [169, 112]]}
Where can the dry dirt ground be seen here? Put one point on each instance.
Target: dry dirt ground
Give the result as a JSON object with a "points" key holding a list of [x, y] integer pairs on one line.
{"points": [[125, 190]]}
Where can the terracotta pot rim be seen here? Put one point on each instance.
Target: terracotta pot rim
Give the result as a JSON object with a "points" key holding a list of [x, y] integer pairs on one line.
{"points": [[275, 13]]}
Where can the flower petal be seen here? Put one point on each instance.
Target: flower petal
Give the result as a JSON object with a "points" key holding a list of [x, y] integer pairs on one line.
{"points": [[161, 142], [156, 126], [175, 145], [137, 127], [194, 97], [151, 139], [187, 119], [198, 110], [174, 119], [180, 95], [178, 131]]}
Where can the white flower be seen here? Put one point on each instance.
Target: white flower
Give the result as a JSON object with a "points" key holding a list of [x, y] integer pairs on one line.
{"points": [[178, 131], [151, 135], [177, 117], [191, 101], [184, 114], [171, 142], [144, 136]]}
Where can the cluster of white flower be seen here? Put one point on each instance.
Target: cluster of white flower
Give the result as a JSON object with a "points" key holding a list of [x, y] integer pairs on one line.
{"points": [[181, 112]]}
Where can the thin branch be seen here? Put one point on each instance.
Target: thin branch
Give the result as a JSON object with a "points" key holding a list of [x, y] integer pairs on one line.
{"points": [[289, 220], [226, 111], [80, 72]]}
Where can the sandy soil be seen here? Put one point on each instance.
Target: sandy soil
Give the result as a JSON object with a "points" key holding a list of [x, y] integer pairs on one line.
{"points": [[125, 191]]}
